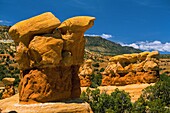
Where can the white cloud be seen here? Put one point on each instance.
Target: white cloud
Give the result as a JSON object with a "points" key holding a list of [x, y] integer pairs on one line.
{"points": [[155, 45], [106, 36], [4, 22]]}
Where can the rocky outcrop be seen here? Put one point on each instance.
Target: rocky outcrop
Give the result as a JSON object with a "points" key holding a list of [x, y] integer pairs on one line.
{"points": [[9, 87], [11, 105], [49, 54], [25, 30], [85, 73], [131, 69]]}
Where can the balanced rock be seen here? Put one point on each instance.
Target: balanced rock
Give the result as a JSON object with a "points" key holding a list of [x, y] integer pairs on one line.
{"points": [[9, 88], [24, 31], [49, 56], [8, 81], [131, 69]]}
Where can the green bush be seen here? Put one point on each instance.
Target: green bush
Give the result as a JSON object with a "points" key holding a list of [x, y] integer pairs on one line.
{"points": [[102, 69], [0, 95], [96, 65], [117, 102], [155, 99], [96, 80]]}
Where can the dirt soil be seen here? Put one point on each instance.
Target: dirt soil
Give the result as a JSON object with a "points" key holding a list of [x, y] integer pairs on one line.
{"points": [[134, 90], [164, 65]]}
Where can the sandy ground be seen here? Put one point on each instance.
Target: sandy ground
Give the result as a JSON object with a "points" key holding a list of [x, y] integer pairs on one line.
{"points": [[134, 90]]}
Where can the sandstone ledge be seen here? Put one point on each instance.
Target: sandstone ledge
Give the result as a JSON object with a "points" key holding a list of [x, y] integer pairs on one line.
{"points": [[12, 104]]}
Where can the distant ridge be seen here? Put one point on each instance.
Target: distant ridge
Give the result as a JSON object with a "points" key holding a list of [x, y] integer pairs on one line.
{"points": [[105, 47]]}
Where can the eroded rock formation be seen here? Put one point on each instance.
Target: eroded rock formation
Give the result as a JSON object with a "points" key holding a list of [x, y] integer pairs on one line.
{"points": [[49, 54], [131, 69], [9, 87], [85, 73]]}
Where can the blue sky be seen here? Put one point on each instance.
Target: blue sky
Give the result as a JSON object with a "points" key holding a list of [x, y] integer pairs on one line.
{"points": [[143, 24]]}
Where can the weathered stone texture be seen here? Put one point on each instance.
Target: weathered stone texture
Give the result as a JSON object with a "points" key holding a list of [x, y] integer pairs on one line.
{"points": [[85, 73], [49, 57], [25, 30], [11, 104], [9, 87], [131, 69]]}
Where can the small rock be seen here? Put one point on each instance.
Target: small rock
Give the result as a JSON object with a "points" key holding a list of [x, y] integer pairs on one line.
{"points": [[8, 81]]}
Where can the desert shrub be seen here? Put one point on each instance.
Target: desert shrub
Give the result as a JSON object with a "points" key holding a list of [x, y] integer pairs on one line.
{"points": [[117, 102], [11, 68], [155, 99], [164, 56], [0, 95], [96, 65], [102, 69], [96, 80], [95, 69]]}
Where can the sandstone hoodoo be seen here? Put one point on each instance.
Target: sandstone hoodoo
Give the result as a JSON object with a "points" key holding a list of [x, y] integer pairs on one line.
{"points": [[85, 73], [131, 69], [9, 87], [49, 54]]}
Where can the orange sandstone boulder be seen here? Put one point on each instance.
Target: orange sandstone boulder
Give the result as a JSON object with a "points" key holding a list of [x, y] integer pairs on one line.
{"points": [[45, 51], [72, 31], [150, 66], [25, 30], [85, 73], [22, 57]]}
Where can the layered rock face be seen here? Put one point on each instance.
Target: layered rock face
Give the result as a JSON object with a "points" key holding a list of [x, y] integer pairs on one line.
{"points": [[49, 54], [85, 73], [131, 69]]}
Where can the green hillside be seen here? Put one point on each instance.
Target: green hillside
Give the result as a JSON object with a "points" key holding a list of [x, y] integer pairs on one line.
{"points": [[106, 47]]}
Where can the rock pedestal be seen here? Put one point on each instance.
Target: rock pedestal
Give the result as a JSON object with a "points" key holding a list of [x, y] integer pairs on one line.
{"points": [[85, 73], [49, 54], [9, 87], [131, 69]]}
